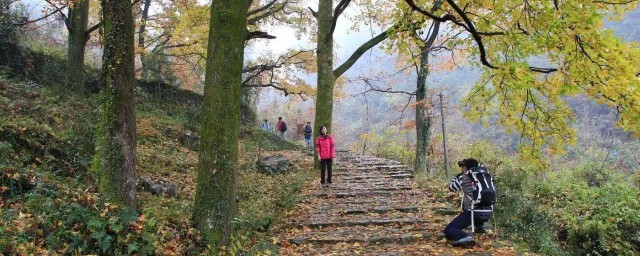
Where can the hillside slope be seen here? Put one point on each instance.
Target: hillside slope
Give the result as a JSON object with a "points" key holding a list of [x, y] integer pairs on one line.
{"points": [[49, 203]]}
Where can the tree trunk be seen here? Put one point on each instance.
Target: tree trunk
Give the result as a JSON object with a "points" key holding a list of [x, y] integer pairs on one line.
{"points": [[423, 112], [77, 26], [423, 116], [117, 141], [141, 38], [215, 202], [324, 98]]}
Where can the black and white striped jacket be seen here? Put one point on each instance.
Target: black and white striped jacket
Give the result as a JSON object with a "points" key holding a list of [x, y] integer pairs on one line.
{"points": [[467, 184]]}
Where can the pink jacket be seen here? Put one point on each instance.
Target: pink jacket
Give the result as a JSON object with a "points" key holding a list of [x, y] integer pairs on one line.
{"points": [[326, 147]]}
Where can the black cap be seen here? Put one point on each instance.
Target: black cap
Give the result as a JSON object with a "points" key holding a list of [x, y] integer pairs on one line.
{"points": [[469, 163]]}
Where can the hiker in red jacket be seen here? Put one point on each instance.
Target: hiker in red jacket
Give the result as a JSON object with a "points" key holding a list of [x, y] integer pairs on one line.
{"points": [[282, 127], [326, 149]]}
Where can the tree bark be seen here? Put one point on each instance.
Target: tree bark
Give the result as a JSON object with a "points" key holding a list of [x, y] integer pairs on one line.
{"points": [[78, 19], [423, 117], [324, 98], [117, 138], [215, 202], [424, 113], [141, 38]]}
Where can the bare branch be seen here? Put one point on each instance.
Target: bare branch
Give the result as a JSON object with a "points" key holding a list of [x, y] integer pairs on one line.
{"points": [[93, 28], [277, 87], [336, 13], [41, 18], [474, 34], [373, 88], [360, 51], [270, 12], [260, 9], [614, 3], [256, 71], [259, 34], [314, 13], [179, 45]]}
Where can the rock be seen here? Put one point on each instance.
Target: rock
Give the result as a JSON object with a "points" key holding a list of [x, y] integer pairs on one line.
{"points": [[298, 240], [158, 187], [190, 140], [273, 165]]}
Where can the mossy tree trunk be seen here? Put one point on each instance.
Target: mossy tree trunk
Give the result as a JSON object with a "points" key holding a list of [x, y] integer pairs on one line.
{"points": [[324, 61], [215, 202], [117, 138], [77, 22], [423, 111], [327, 18]]}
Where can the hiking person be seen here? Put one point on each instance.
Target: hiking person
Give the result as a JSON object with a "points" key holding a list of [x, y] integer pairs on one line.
{"points": [[265, 126], [282, 127], [326, 149], [478, 196], [307, 134]]}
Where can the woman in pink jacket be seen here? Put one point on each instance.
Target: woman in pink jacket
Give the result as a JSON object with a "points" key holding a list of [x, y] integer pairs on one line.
{"points": [[326, 152]]}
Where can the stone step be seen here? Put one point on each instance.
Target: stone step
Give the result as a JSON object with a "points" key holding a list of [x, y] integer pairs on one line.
{"points": [[344, 188], [363, 222], [446, 211], [409, 199], [381, 209], [401, 238], [350, 194], [328, 193], [402, 176], [351, 176]]}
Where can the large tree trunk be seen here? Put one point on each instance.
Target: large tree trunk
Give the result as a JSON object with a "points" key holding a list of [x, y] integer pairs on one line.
{"points": [[77, 24], [117, 148], [423, 112], [215, 202], [423, 116], [324, 98]]}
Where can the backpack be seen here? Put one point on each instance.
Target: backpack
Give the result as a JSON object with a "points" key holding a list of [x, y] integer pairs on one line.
{"points": [[307, 129], [485, 193], [284, 126]]}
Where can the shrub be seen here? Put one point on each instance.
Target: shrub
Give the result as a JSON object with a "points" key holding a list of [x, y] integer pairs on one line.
{"points": [[522, 217], [54, 218]]}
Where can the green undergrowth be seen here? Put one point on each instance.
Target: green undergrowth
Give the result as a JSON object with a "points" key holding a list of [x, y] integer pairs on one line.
{"points": [[48, 197]]}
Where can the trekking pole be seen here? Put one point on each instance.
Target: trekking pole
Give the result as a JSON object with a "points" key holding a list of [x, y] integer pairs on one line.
{"points": [[495, 222], [473, 226]]}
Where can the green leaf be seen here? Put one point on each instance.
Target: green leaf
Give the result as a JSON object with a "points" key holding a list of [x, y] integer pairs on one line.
{"points": [[105, 243], [133, 247]]}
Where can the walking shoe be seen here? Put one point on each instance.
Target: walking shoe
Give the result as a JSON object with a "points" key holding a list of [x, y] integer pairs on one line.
{"points": [[481, 230], [464, 242]]}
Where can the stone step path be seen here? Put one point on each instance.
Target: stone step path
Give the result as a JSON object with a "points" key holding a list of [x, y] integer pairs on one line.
{"points": [[372, 208]]}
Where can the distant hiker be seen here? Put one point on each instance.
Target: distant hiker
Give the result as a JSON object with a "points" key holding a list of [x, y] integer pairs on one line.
{"points": [[307, 134], [326, 149], [282, 127], [265, 126], [477, 201]]}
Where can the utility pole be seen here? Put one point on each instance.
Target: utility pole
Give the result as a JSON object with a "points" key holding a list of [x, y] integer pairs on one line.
{"points": [[444, 139]]}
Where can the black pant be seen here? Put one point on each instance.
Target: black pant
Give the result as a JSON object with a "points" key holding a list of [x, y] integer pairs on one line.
{"points": [[325, 166], [454, 231]]}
